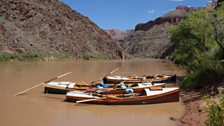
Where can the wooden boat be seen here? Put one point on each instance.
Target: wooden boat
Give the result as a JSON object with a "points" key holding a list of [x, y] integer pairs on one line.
{"points": [[64, 87], [147, 96], [58, 87], [118, 90], [135, 79]]}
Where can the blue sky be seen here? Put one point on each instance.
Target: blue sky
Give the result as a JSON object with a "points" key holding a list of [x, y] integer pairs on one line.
{"points": [[125, 14]]}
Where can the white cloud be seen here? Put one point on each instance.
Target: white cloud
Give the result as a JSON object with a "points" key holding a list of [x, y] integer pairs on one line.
{"points": [[152, 11], [177, 0]]}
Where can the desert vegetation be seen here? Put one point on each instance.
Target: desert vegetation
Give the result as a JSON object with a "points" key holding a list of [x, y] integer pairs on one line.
{"points": [[198, 45]]}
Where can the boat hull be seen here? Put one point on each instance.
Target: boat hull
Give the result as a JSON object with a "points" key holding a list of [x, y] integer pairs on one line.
{"points": [[58, 87], [55, 90], [172, 96], [116, 80]]}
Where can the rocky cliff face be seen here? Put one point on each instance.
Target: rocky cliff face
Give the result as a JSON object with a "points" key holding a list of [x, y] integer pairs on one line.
{"points": [[151, 39], [118, 35], [173, 17], [50, 26], [213, 4]]}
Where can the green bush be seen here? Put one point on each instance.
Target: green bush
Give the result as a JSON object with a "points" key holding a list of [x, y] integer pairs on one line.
{"points": [[199, 46], [215, 111], [192, 39], [208, 73], [89, 56], [4, 56], [62, 56], [27, 56]]}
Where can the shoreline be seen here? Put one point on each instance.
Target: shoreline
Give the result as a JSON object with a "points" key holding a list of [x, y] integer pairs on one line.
{"points": [[194, 114]]}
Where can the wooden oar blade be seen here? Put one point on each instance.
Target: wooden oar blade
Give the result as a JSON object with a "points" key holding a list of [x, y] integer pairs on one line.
{"points": [[22, 92], [113, 71], [106, 75], [58, 77], [87, 100]]}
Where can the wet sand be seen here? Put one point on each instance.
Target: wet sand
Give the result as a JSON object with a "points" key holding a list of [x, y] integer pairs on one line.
{"points": [[194, 114], [36, 108]]}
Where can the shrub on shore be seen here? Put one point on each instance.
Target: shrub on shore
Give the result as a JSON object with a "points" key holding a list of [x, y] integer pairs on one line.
{"points": [[89, 56], [28, 56], [5, 56], [215, 111], [208, 73], [199, 45]]}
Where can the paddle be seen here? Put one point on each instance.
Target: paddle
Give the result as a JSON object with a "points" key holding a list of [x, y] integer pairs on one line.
{"points": [[42, 84], [107, 74], [88, 100], [113, 97], [96, 99], [113, 71]]}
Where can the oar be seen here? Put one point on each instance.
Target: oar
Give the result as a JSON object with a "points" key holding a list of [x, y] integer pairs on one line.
{"points": [[88, 100], [107, 74], [42, 83], [113, 71], [113, 97], [96, 99]]}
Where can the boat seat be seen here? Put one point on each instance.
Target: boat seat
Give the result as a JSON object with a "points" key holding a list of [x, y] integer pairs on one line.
{"points": [[141, 85], [155, 88], [147, 91]]}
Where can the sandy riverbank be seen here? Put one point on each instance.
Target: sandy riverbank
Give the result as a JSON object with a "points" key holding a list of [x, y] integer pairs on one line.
{"points": [[194, 114]]}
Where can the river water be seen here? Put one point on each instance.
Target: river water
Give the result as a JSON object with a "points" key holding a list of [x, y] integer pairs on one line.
{"points": [[38, 109]]}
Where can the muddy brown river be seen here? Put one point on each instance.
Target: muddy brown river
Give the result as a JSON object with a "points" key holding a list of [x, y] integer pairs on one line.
{"points": [[35, 108]]}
